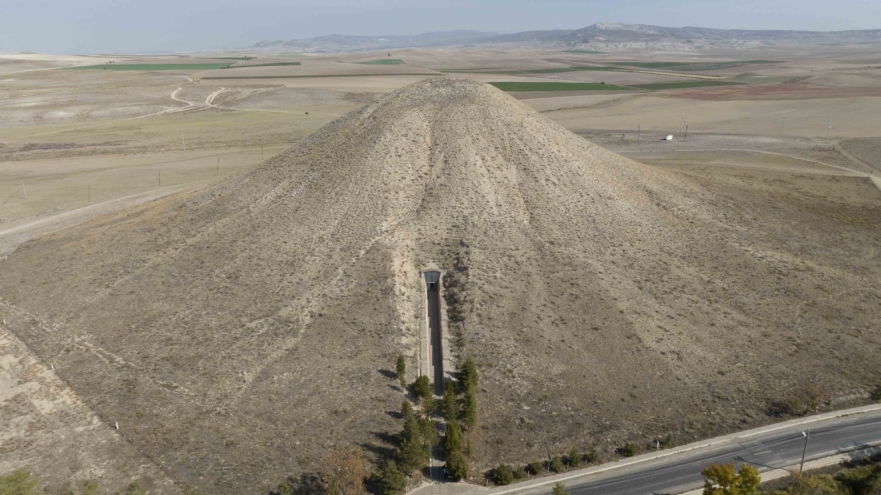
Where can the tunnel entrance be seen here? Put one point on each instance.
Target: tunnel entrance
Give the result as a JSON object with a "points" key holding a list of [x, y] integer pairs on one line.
{"points": [[432, 291]]}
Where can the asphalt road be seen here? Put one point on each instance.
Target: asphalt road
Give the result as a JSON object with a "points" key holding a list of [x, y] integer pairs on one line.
{"points": [[678, 470], [772, 451]]}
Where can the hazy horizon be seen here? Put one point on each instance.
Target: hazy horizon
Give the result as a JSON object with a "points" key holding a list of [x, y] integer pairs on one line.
{"points": [[103, 26]]}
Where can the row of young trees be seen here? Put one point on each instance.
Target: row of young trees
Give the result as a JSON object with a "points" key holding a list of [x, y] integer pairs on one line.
{"points": [[457, 449], [419, 434]]}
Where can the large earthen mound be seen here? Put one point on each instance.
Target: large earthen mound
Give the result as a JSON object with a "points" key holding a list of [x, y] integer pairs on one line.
{"points": [[239, 333]]}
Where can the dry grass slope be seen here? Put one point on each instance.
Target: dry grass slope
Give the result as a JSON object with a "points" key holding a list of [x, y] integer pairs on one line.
{"points": [[241, 331]]}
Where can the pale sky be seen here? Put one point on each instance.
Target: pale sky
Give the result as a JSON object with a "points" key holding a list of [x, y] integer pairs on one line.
{"points": [[102, 26]]}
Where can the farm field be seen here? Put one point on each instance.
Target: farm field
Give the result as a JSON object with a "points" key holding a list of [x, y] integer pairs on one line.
{"points": [[513, 87]]}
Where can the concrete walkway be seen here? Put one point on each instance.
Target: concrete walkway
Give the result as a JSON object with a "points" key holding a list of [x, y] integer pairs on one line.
{"points": [[446, 489]]}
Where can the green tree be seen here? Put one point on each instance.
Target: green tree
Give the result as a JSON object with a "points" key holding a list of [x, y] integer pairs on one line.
{"points": [[468, 374], [422, 387], [560, 489], [574, 459], [401, 368], [453, 438], [18, 482], [412, 455], [392, 480], [503, 475], [468, 450], [449, 408], [724, 480], [469, 408], [429, 433], [556, 464], [429, 406], [457, 465]]}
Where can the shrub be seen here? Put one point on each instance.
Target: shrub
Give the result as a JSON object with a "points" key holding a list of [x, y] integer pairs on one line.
{"points": [[19, 482], [534, 468], [574, 459], [876, 394], [134, 488], [520, 473], [724, 480], [593, 456], [630, 449], [503, 475], [667, 441], [422, 387], [392, 480], [560, 489], [556, 464]]}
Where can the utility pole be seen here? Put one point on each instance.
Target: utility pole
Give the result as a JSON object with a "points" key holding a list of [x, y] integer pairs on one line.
{"points": [[24, 188], [681, 123], [218, 164], [686, 131], [160, 177], [825, 146], [803, 452], [182, 140]]}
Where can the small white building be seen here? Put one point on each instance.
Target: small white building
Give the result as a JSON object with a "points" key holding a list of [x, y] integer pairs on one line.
{"points": [[668, 138]]}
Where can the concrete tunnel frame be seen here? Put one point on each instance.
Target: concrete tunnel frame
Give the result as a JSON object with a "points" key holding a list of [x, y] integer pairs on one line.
{"points": [[434, 345]]}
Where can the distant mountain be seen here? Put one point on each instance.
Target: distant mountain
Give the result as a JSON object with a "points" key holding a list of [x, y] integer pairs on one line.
{"points": [[609, 35], [338, 42], [600, 36]]}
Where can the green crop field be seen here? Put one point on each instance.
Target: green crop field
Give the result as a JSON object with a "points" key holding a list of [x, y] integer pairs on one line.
{"points": [[574, 69], [650, 65], [684, 84], [156, 66], [693, 66], [384, 61], [514, 72], [270, 64], [586, 52], [515, 87]]}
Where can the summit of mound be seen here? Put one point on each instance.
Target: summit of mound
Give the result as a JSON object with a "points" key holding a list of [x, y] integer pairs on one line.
{"points": [[240, 332]]}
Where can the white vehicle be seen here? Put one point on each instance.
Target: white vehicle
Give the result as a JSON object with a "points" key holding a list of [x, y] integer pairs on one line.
{"points": [[669, 137]]}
